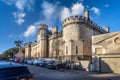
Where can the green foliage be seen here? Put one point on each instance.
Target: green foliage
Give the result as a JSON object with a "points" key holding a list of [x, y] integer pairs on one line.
{"points": [[12, 51], [18, 43], [9, 53]]}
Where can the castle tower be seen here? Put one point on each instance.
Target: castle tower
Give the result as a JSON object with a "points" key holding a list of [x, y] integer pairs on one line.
{"points": [[86, 14], [42, 40], [72, 36], [77, 32]]}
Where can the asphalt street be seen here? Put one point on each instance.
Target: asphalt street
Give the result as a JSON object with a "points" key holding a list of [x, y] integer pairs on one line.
{"points": [[48, 74]]}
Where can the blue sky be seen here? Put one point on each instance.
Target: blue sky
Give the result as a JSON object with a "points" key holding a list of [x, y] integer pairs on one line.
{"points": [[19, 19]]}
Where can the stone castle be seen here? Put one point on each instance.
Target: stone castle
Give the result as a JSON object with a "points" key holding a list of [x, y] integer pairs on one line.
{"points": [[73, 43]]}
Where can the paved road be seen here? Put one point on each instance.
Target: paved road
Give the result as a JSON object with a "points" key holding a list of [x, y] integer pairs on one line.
{"points": [[47, 74]]}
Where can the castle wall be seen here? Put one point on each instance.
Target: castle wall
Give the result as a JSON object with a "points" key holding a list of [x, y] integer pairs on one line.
{"points": [[73, 43], [106, 43], [28, 51], [34, 51], [106, 53], [43, 48], [55, 45]]}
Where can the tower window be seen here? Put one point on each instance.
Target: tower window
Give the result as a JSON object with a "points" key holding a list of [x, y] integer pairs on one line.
{"points": [[66, 50], [76, 49]]}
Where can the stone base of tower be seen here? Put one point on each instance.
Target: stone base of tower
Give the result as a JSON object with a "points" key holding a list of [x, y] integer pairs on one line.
{"points": [[74, 58]]}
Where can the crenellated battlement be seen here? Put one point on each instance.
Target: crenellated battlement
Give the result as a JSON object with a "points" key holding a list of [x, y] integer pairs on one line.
{"points": [[73, 19], [58, 34], [81, 19], [43, 26], [95, 26]]}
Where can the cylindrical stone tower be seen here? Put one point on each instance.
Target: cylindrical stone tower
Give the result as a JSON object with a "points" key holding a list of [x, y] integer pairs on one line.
{"points": [[43, 43], [72, 36], [71, 28]]}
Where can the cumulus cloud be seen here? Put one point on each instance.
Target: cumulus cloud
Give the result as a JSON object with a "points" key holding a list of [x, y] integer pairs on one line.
{"points": [[19, 17], [76, 9], [21, 6], [53, 12], [107, 5], [50, 13], [96, 10], [31, 30], [65, 13]]}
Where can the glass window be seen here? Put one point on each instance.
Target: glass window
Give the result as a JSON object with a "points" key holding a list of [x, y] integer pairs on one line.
{"points": [[66, 50], [76, 49]]}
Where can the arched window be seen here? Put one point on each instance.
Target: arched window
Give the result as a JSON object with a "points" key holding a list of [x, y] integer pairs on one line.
{"points": [[76, 49], [66, 50]]}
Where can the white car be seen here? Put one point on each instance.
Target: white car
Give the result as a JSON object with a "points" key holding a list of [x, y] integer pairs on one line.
{"points": [[37, 61], [30, 61]]}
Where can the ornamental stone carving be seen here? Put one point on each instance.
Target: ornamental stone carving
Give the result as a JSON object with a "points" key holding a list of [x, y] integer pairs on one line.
{"points": [[117, 40]]}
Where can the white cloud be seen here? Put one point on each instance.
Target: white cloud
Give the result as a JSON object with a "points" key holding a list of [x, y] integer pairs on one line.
{"points": [[10, 36], [96, 10], [20, 21], [48, 9], [50, 12], [9, 2], [53, 12], [107, 5], [31, 30], [65, 13], [76, 9], [19, 17], [21, 6]]}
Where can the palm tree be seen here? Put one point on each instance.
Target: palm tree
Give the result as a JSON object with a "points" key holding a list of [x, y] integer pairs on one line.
{"points": [[18, 43]]}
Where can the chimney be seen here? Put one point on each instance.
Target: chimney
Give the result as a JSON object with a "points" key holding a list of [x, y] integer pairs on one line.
{"points": [[86, 14], [107, 29]]}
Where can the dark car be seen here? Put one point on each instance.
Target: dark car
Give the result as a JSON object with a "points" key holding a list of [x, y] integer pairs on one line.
{"points": [[43, 64], [51, 65], [60, 66], [55, 65], [23, 60], [68, 64], [14, 71]]}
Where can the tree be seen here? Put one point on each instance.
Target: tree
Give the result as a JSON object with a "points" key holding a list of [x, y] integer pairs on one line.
{"points": [[9, 53], [18, 43]]}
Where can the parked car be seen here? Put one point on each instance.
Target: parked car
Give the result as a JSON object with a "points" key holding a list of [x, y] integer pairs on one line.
{"points": [[14, 71], [51, 64], [37, 62], [30, 61], [43, 63], [11, 59], [22, 60], [25, 60], [17, 59], [55, 65], [68, 64], [59, 65]]}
